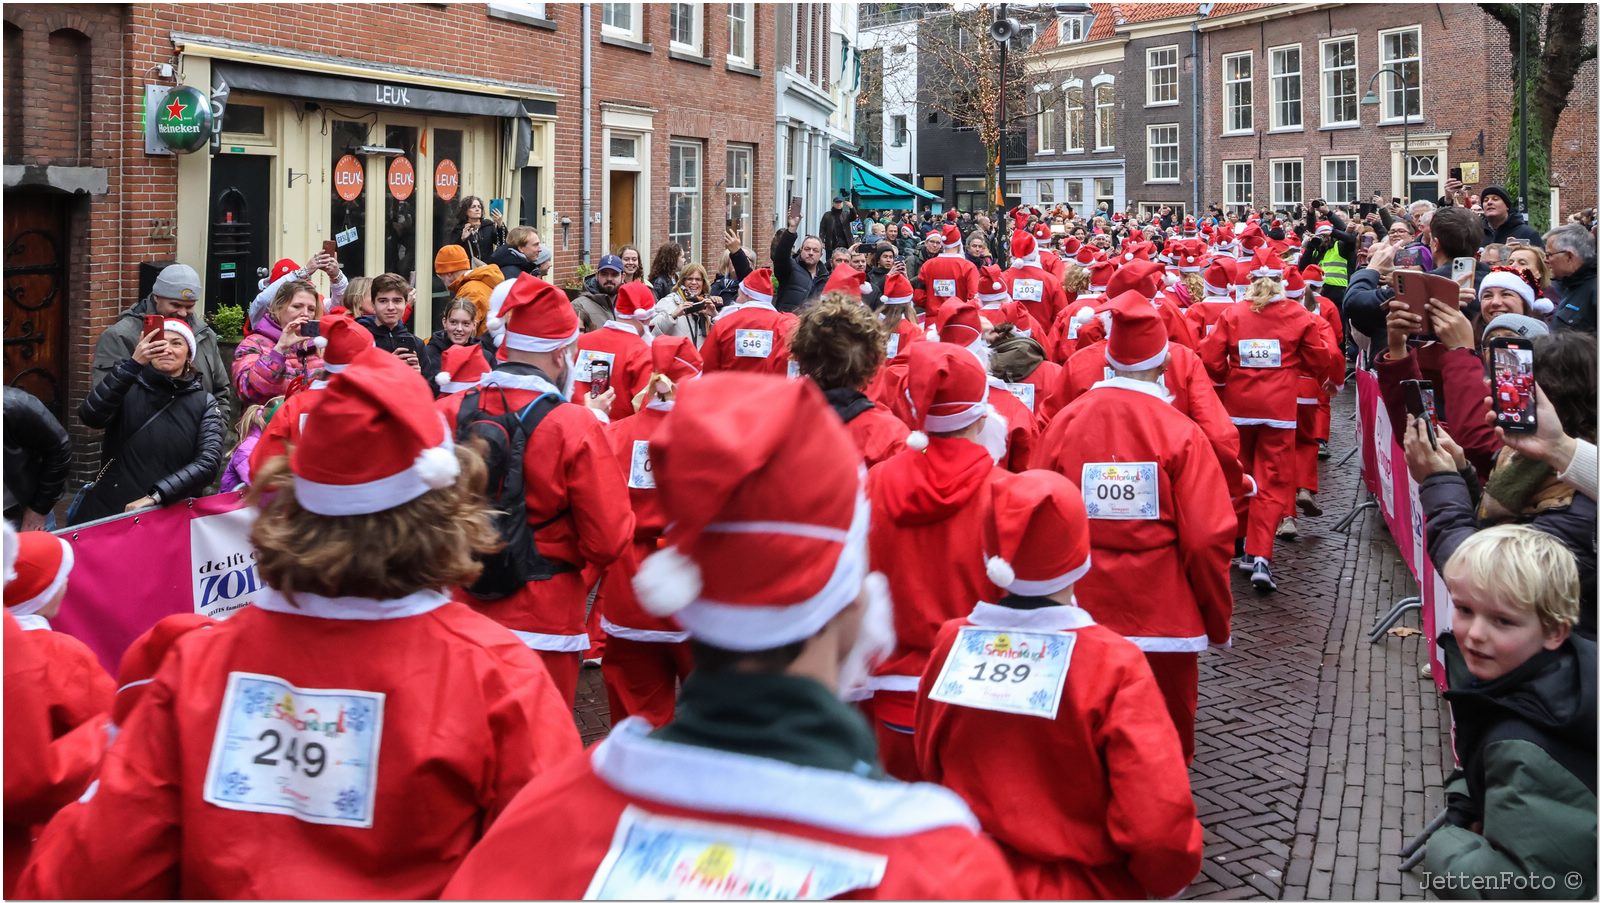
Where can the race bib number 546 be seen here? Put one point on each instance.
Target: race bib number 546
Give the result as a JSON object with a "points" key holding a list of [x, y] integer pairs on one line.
{"points": [[658, 857], [752, 343], [1016, 671], [286, 750]]}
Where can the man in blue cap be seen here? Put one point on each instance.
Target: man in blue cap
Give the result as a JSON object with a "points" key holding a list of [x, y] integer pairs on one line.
{"points": [[598, 303]]}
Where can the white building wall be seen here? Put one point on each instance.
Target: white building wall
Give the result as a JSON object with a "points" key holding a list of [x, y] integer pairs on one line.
{"points": [[899, 91]]}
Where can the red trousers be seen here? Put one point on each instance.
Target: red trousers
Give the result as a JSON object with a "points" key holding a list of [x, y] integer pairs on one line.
{"points": [[563, 668], [1311, 428], [1178, 676], [642, 678], [1267, 454]]}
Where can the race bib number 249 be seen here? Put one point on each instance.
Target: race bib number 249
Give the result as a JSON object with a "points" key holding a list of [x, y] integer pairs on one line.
{"points": [[286, 750]]}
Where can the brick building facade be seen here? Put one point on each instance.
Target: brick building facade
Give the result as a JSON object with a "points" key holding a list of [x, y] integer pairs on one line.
{"points": [[493, 90], [1283, 122], [1076, 146]]}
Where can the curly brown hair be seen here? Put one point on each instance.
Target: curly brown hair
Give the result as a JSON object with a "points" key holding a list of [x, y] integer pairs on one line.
{"points": [[838, 342], [433, 542], [1075, 279]]}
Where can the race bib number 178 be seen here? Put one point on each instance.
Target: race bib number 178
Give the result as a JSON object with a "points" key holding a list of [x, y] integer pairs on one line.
{"points": [[286, 750], [1004, 670]]}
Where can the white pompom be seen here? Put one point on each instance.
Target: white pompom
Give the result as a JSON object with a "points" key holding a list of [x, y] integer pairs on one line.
{"points": [[667, 582], [932, 334], [320, 341], [1000, 572], [437, 466], [495, 325], [997, 287], [1543, 307], [1083, 315], [917, 440], [442, 378]]}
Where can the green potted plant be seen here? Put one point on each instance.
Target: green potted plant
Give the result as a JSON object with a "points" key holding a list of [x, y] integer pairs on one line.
{"points": [[228, 323], [574, 286]]}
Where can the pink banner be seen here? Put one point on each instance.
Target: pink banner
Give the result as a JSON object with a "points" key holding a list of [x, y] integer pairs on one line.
{"points": [[1383, 469], [130, 572]]}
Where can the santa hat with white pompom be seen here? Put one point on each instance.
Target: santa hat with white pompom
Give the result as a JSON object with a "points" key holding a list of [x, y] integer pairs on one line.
{"points": [[382, 405], [339, 340], [947, 388], [460, 368], [724, 464], [1040, 534], [535, 317], [991, 291]]}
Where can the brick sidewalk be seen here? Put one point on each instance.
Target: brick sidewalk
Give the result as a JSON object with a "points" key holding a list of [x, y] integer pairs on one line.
{"points": [[1317, 755]]}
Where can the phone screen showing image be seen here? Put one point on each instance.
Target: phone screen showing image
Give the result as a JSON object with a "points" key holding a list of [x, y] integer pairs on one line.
{"points": [[1511, 372], [1406, 257], [599, 379]]}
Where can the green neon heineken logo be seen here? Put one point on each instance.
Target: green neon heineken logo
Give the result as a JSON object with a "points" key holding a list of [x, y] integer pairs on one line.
{"points": [[183, 120]]}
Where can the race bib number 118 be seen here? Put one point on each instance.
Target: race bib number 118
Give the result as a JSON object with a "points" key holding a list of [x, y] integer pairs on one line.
{"points": [[285, 750]]}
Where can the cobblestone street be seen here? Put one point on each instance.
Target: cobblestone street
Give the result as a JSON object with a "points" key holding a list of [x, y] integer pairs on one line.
{"points": [[1318, 755]]}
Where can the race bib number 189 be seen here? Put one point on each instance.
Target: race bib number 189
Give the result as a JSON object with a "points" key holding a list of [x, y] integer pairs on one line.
{"points": [[752, 343], [658, 857], [1002, 670], [284, 750]]}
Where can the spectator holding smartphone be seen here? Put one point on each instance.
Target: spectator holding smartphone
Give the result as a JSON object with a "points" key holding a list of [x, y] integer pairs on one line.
{"points": [[688, 309], [277, 353], [480, 231], [391, 297], [164, 431], [1520, 489]]}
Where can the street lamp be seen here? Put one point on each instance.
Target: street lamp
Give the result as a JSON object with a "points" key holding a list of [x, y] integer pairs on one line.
{"points": [[1371, 100]]}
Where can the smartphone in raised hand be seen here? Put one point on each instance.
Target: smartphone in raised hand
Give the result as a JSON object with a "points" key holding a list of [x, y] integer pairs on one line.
{"points": [[1511, 378], [1419, 404]]}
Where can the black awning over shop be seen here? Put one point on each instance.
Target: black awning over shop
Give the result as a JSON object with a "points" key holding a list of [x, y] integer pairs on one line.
{"points": [[391, 94]]}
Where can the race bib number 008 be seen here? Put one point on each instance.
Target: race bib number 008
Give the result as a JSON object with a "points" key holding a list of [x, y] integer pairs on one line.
{"points": [[944, 288], [285, 750], [1023, 393], [640, 476], [587, 359], [657, 857], [1122, 491], [752, 343], [1263, 353], [1027, 290], [1002, 670]]}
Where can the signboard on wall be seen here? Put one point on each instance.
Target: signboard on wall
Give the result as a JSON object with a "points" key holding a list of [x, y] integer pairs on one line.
{"points": [[183, 119]]}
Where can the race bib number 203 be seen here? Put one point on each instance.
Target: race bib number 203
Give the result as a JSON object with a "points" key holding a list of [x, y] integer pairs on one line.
{"points": [[286, 750]]}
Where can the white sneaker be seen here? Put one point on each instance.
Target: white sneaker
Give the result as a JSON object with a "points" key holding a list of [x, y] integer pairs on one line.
{"points": [[1261, 576]]}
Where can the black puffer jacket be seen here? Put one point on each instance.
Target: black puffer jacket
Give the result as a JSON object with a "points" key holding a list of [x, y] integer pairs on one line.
{"points": [[392, 340], [163, 435], [38, 453]]}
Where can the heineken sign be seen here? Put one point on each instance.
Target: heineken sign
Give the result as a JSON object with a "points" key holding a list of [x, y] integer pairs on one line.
{"points": [[183, 119]]}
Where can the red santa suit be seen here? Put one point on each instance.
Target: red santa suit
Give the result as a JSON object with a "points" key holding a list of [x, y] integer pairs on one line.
{"points": [[764, 785], [1314, 398], [1011, 429], [948, 277], [265, 755], [57, 675], [929, 504], [1185, 381], [1028, 282], [1160, 517], [1259, 357], [1051, 261], [1085, 705], [1124, 825], [646, 655], [619, 345], [341, 339], [754, 338], [1204, 313], [573, 487]]}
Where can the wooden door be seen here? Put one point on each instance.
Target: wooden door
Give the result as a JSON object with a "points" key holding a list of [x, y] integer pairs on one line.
{"points": [[623, 193], [36, 295]]}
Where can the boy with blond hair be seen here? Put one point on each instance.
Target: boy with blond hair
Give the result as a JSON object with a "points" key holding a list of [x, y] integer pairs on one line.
{"points": [[1522, 693]]}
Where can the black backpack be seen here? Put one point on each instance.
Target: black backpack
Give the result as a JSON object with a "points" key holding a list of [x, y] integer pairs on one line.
{"points": [[505, 438]]}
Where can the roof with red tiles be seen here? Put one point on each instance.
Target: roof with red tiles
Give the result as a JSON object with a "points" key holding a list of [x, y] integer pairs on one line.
{"points": [[1109, 16]]}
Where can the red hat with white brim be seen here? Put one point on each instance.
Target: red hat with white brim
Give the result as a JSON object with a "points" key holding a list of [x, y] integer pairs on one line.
{"points": [[897, 290], [1138, 339], [1040, 534], [341, 339], [758, 286], [635, 301], [383, 406], [460, 368], [947, 388], [43, 563], [536, 317], [724, 463]]}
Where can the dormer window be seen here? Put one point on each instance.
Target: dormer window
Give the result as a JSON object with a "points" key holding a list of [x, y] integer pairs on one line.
{"points": [[1073, 28]]}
